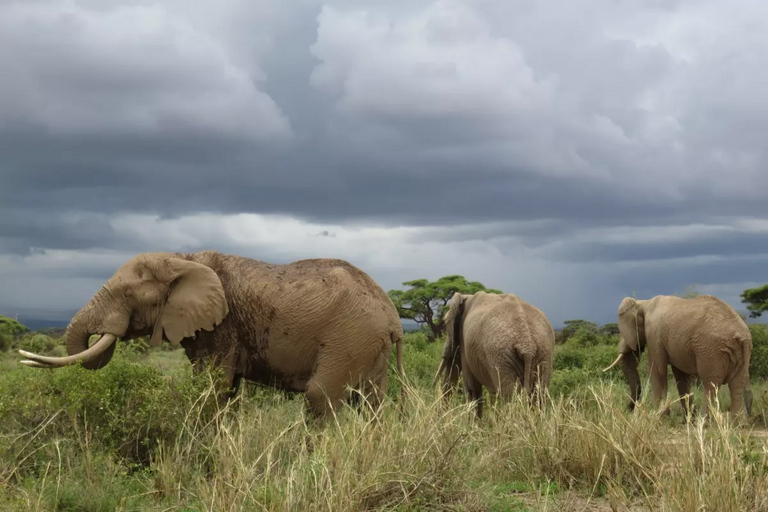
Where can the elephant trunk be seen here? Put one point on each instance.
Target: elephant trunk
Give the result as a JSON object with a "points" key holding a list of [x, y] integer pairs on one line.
{"points": [[629, 364], [76, 341], [76, 338]]}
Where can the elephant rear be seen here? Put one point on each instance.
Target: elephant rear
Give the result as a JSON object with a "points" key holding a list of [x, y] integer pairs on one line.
{"points": [[525, 337]]}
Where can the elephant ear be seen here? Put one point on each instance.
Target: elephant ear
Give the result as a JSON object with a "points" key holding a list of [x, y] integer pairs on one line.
{"points": [[632, 316], [455, 316], [195, 301]]}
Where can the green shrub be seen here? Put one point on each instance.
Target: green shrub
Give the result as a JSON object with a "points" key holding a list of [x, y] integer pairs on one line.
{"points": [[9, 330], [758, 364], [140, 346], [12, 326], [588, 338], [38, 343], [421, 359], [580, 361], [6, 341], [128, 408]]}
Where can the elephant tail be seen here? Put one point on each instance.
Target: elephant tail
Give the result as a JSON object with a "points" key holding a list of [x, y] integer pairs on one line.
{"points": [[739, 359], [746, 356], [397, 340], [527, 373]]}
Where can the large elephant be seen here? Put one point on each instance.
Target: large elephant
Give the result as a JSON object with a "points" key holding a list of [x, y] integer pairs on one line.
{"points": [[313, 326], [702, 336], [498, 341]]}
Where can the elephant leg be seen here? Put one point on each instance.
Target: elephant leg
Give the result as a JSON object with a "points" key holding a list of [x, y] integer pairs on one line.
{"points": [[748, 399], [237, 379], [684, 389], [712, 373], [740, 394], [374, 387], [323, 399], [232, 378], [710, 393], [327, 388], [506, 383], [658, 372], [202, 360], [474, 390]]}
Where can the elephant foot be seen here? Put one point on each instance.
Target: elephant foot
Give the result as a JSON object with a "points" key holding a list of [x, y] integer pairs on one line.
{"points": [[748, 402]]}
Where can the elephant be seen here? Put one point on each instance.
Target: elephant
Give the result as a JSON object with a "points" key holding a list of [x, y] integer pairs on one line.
{"points": [[314, 326], [700, 337], [498, 341]]}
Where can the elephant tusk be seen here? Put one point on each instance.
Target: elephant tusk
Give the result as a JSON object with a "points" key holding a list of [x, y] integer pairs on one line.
{"points": [[51, 362], [614, 363], [35, 364]]}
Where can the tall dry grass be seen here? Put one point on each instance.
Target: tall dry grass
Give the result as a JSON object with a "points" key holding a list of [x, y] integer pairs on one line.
{"points": [[582, 451], [253, 455]]}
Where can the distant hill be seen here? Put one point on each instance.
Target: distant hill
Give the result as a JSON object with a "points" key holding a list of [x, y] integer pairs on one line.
{"points": [[37, 324]]}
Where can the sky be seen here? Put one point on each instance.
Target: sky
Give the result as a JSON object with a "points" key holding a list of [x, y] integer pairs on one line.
{"points": [[572, 153]]}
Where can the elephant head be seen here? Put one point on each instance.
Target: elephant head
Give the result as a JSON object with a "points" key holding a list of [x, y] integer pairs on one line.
{"points": [[450, 365], [157, 294], [631, 344]]}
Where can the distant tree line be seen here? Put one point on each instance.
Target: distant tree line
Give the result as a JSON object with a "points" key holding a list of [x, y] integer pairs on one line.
{"points": [[425, 302]]}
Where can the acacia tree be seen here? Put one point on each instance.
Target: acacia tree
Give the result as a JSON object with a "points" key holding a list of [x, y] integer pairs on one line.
{"points": [[691, 291], [571, 326], [756, 300], [427, 301]]}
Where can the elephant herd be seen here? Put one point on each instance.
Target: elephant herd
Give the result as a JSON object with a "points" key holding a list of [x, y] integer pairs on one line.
{"points": [[324, 327]]}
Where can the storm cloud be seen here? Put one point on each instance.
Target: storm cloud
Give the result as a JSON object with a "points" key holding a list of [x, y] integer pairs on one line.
{"points": [[572, 153]]}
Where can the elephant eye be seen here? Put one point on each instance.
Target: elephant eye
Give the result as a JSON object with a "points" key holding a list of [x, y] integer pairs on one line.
{"points": [[128, 293]]}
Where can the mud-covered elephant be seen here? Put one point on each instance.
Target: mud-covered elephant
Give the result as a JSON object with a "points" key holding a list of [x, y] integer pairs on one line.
{"points": [[496, 341], [312, 326], [701, 336]]}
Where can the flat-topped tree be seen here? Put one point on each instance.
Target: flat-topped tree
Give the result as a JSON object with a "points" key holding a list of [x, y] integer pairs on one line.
{"points": [[427, 301], [756, 300]]}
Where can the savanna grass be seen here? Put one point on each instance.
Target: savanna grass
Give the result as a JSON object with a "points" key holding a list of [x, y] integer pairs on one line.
{"points": [[142, 434]]}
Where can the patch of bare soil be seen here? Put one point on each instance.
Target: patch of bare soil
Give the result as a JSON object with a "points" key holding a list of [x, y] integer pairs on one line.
{"points": [[572, 501]]}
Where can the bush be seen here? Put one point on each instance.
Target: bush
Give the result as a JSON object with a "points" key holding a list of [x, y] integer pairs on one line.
{"points": [[38, 343], [9, 330], [12, 326], [421, 359], [131, 436], [6, 341], [584, 338], [758, 363], [128, 408]]}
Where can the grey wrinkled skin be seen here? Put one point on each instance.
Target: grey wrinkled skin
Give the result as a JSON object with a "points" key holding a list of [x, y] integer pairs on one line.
{"points": [[313, 326], [496, 341], [700, 337]]}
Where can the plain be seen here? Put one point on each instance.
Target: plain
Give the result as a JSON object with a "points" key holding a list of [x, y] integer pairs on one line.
{"points": [[143, 433]]}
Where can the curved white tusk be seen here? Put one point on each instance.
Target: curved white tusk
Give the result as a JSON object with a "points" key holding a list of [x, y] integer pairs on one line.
{"points": [[614, 363], [35, 364], [92, 352]]}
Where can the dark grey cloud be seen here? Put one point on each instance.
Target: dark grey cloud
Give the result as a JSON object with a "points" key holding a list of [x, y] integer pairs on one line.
{"points": [[722, 243], [525, 132]]}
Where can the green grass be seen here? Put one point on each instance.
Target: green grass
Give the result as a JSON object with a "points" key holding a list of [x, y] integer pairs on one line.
{"points": [[144, 433]]}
